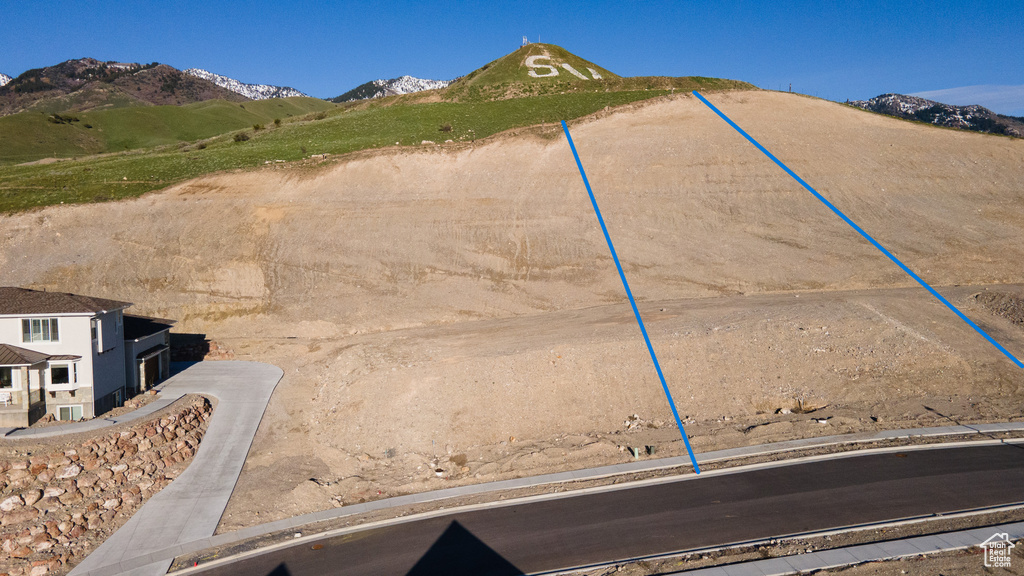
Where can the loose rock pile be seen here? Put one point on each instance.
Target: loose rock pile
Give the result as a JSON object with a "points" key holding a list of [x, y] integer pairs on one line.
{"points": [[59, 502]]}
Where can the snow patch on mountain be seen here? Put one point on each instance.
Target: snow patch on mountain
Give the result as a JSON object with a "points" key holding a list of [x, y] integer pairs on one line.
{"points": [[254, 91], [4, 79], [392, 87], [408, 84], [974, 117]]}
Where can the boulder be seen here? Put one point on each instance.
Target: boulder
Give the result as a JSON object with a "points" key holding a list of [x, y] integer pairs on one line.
{"points": [[53, 491], [11, 503], [21, 552], [70, 471], [31, 496], [19, 516]]}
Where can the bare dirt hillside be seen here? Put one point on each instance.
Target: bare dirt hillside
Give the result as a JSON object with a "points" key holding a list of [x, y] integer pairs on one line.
{"points": [[457, 309]]}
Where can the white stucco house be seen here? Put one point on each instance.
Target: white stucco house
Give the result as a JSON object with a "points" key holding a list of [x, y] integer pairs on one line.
{"points": [[73, 356]]}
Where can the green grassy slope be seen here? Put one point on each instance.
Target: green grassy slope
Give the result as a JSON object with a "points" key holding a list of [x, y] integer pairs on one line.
{"points": [[31, 135], [467, 114]]}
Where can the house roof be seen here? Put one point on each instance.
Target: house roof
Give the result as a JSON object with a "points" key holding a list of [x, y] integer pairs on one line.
{"points": [[15, 356], [136, 327], [145, 354], [15, 300]]}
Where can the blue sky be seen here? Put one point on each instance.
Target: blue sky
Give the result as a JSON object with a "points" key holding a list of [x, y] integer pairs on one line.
{"points": [[835, 50]]}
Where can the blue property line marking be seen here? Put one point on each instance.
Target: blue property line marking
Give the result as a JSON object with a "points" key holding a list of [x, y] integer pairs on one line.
{"points": [[861, 232], [632, 302]]}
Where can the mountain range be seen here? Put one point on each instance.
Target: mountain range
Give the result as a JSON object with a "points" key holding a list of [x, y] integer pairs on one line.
{"points": [[392, 87], [975, 118], [251, 91], [89, 84]]}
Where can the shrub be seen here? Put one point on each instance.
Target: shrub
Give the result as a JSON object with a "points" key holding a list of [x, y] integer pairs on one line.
{"points": [[257, 127], [445, 128], [277, 122], [241, 137], [60, 119]]}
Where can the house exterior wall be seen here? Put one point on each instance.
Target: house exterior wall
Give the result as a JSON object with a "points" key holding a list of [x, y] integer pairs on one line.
{"points": [[107, 355], [74, 340], [132, 349], [100, 373]]}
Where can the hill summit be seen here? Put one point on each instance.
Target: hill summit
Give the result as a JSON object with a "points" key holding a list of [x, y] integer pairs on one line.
{"points": [[549, 70], [532, 70]]}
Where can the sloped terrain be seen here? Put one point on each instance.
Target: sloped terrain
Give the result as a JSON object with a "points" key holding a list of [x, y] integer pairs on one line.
{"points": [[544, 69], [87, 84], [30, 136], [392, 87], [975, 118], [253, 91], [455, 308]]}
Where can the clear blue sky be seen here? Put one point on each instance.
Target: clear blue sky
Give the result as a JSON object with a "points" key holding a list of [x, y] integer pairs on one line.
{"points": [[835, 50]]}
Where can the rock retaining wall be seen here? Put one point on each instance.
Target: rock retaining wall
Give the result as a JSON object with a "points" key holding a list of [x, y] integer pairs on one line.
{"points": [[60, 500]]}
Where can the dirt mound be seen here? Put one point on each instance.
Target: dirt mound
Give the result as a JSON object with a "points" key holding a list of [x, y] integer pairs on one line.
{"points": [[1007, 305]]}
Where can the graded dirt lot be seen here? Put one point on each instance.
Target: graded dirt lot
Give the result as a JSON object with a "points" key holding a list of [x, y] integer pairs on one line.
{"points": [[456, 309]]}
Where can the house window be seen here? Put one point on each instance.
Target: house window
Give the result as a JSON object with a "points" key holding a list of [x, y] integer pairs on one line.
{"points": [[60, 374], [6, 378], [94, 334], [40, 330], [70, 412]]}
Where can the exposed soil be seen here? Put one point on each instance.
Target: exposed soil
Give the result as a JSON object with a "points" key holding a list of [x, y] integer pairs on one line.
{"points": [[1009, 306], [457, 308]]}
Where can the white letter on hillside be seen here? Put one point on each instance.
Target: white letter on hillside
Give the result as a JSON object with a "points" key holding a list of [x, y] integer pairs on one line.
{"points": [[532, 65], [574, 72], [594, 73]]}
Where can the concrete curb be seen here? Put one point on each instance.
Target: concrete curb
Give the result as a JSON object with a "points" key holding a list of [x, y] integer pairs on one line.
{"points": [[89, 425], [296, 522], [839, 557]]}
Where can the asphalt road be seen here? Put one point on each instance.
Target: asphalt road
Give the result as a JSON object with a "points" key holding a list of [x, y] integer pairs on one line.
{"points": [[679, 515]]}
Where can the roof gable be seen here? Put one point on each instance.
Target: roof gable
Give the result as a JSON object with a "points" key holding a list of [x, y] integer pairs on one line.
{"points": [[24, 301]]}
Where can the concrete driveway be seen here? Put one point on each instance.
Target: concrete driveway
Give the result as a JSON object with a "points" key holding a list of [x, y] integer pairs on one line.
{"points": [[190, 507]]}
